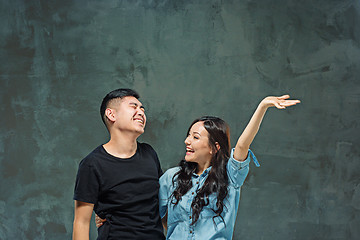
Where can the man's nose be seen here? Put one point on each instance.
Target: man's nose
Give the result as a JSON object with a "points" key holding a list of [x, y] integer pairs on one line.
{"points": [[140, 112]]}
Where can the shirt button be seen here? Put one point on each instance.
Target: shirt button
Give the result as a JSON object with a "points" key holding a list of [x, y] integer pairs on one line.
{"points": [[190, 217], [192, 193], [197, 182], [190, 231]]}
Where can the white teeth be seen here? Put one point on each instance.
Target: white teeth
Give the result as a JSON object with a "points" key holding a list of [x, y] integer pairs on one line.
{"points": [[139, 120]]}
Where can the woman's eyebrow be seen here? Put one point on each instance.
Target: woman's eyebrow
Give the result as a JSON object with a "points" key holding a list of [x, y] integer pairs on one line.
{"points": [[196, 133]]}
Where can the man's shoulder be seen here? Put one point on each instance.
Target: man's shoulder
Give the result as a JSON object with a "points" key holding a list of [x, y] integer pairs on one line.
{"points": [[145, 147], [93, 157]]}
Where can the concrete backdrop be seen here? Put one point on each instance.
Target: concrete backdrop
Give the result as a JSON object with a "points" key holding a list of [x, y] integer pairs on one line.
{"points": [[58, 58]]}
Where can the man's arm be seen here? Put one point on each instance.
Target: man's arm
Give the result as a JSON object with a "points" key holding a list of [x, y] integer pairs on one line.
{"points": [[246, 138], [81, 226]]}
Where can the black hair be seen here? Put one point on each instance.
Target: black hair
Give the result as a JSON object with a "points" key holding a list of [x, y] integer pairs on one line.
{"points": [[118, 93], [217, 180]]}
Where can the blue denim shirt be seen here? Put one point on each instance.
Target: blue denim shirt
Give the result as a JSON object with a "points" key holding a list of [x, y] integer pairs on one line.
{"points": [[179, 216]]}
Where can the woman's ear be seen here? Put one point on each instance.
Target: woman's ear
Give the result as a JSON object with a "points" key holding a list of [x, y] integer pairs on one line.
{"points": [[217, 146]]}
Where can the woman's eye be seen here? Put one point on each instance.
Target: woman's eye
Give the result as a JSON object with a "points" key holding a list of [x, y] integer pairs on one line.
{"points": [[195, 137]]}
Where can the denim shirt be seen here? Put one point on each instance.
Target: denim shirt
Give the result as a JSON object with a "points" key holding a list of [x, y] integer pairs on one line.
{"points": [[179, 216]]}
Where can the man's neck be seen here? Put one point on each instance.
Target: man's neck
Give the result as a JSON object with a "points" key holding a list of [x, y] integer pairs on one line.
{"points": [[122, 145]]}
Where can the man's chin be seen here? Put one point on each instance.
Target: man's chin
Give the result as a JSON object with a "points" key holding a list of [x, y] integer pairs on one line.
{"points": [[140, 130]]}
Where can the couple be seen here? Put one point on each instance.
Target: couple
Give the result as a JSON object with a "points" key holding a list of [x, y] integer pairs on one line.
{"points": [[123, 183]]}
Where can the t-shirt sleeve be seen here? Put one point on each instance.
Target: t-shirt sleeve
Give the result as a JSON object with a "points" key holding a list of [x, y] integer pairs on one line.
{"points": [[156, 159], [87, 183], [238, 171], [160, 172]]}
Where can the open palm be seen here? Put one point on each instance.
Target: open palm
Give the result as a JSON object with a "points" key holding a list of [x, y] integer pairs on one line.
{"points": [[279, 102]]}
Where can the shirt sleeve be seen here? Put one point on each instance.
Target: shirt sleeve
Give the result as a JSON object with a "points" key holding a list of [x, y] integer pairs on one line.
{"points": [[238, 170], [87, 183], [166, 189]]}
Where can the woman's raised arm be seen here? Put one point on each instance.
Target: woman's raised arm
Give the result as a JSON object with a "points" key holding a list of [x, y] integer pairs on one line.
{"points": [[248, 135]]}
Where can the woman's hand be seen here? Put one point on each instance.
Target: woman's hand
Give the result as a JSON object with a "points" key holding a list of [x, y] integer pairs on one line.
{"points": [[278, 102], [99, 221]]}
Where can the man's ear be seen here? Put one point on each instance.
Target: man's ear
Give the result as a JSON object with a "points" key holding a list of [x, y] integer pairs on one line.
{"points": [[109, 113]]}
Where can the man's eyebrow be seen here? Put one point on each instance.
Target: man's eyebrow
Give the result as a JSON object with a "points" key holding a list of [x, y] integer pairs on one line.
{"points": [[135, 104]]}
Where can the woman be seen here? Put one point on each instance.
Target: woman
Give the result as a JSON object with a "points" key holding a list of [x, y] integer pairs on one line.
{"points": [[200, 198]]}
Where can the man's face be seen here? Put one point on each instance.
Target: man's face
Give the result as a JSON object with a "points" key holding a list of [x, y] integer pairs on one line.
{"points": [[129, 115]]}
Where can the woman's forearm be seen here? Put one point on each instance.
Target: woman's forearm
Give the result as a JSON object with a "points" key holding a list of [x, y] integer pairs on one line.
{"points": [[249, 133]]}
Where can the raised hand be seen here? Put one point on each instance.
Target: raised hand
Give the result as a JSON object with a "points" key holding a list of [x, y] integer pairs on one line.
{"points": [[279, 102]]}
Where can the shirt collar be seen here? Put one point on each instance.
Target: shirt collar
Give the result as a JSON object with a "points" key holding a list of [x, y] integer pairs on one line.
{"points": [[204, 174]]}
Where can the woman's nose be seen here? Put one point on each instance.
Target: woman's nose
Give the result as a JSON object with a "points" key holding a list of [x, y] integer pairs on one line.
{"points": [[187, 142]]}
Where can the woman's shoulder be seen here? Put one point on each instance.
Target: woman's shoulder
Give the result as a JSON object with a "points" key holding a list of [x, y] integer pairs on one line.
{"points": [[172, 171], [169, 174]]}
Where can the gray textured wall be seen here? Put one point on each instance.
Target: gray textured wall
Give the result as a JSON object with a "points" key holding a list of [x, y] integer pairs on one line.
{"points": [[186, 58]]}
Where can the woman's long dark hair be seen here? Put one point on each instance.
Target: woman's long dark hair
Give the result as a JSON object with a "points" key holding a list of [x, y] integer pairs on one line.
{"points": [[217, 180]]}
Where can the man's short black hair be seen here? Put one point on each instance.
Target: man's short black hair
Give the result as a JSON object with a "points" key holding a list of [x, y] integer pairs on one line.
{"points": [[118, 93]]}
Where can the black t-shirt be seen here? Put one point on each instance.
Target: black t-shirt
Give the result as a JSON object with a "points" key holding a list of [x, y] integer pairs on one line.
{"points": [[124, 191]]}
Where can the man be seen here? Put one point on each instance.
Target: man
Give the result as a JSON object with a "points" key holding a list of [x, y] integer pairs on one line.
{"points": [[119, 180]]}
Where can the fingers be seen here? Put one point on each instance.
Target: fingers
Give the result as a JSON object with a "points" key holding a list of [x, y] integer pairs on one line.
{"points": [[283, 97], [286, 103], [99, 221], [289, 103], [277, 105]]}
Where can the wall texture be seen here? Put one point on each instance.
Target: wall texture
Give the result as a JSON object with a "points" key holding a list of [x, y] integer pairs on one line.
{"points": [[186, 58]]}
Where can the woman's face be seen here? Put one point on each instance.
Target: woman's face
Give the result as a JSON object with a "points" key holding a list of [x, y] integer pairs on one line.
{"points": [[197, 145]]}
